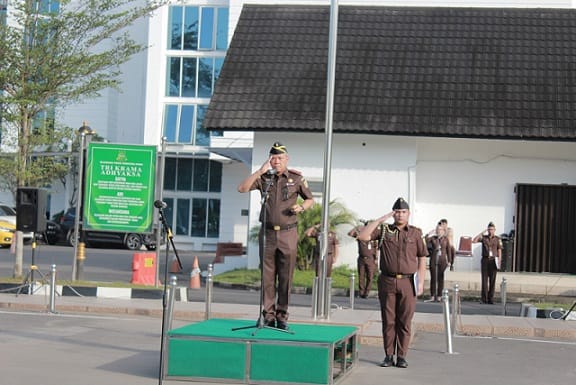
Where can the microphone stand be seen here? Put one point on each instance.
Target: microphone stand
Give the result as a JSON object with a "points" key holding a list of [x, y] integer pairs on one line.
{"points": [[159, 206], [260, 323]]}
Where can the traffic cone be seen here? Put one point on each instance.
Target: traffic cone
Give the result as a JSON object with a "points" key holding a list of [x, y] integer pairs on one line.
{"points": [[195, 275], [175, 266]]}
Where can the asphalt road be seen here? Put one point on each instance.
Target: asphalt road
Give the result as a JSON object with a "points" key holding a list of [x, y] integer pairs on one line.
{"points": [[115, 265]]}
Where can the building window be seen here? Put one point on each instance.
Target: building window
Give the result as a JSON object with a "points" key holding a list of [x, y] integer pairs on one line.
{"points": [[192, 77], [195, 28], [196, 175], [183, 124], [196, 217]]}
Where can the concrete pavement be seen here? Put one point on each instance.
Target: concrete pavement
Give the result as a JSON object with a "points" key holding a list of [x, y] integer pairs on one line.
{"points": [[540, 287]]}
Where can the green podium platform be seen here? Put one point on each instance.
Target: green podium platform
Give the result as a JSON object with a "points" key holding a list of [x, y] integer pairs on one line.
{"points": [[212, 351]]}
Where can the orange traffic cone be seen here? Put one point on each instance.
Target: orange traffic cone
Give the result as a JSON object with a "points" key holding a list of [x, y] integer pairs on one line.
{"points": [[195, 275], [175, 266]]}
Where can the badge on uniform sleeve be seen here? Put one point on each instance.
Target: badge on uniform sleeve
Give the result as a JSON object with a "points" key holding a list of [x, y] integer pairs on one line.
{"points": [[305, 182]]}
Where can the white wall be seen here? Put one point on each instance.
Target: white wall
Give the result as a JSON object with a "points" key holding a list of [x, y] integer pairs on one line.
{"points": [[469, 182]]}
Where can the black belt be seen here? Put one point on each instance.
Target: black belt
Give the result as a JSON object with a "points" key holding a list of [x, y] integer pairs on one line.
{"points": [[398, 275], [270, 226]]}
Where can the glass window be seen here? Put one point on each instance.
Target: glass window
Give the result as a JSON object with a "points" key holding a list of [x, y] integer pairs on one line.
{"points": [[198, 218], [222, 29], [173, 81], [215, 176], [201, 174], [191, 28], [170, 174], [175, 25], [205, 70], [182, 216], [207, 28], [184, 177], [213, 218], [186, 124], [170, 122], [189, 77], [218, 62], [202, 136]]}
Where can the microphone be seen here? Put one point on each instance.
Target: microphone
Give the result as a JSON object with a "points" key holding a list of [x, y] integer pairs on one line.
{"points": [[271, 171], [160, 205]]}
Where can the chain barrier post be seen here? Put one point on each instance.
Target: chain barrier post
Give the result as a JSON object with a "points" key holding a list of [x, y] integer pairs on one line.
{"points": [[52, 288], [352, 288], [314, 297], [446, 308], [503, 295], [455, 308], [209, 285], [328, 298], [171, 295]]}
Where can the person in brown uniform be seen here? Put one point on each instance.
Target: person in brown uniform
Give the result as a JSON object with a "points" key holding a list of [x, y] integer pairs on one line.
{"points": [[441, 256], [367, 259], [331, 250], [402, 271], [280, 188], [491, 257]]}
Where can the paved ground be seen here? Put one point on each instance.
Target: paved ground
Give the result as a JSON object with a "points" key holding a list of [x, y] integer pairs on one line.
{"points": [[91, 347]]}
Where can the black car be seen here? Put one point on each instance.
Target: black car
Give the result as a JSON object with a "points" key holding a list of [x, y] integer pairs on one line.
{"points": [[61, 230]]}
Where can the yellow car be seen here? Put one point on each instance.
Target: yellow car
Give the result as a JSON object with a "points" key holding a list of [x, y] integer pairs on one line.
{"points": [[7, 230]]}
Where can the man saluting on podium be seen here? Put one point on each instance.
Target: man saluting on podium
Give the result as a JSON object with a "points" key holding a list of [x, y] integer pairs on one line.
{"points": [[280, 211], [402, 255]]}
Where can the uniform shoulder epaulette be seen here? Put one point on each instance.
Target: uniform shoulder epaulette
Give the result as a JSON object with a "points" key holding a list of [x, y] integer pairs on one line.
{"points": [[295, 171]]}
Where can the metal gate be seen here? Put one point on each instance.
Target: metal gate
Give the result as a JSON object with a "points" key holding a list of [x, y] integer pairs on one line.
{"points": [[545, 228]]}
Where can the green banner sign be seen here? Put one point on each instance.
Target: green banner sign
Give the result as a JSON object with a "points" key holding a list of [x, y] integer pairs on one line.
{"points": [[119, 187]]}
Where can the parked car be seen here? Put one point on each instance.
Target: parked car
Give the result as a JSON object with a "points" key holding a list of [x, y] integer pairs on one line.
{"points": [[8, 214], [61, 230], [7, 230]]}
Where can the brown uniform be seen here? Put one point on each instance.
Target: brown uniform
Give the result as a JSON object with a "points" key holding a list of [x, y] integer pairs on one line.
{"points": [[366, 263], [488, 267], [442, 255], [400, 250], [330, 251], [280, 232]]}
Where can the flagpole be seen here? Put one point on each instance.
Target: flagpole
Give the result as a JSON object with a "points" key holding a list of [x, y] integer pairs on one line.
{"points": [[323, 308]]}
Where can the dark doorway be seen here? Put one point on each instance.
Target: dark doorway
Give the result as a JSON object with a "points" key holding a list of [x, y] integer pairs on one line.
{"points": [[545, 226]]}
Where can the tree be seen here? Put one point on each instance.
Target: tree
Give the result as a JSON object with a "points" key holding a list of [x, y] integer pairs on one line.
{"points": [[53, 54], [339, 217]]}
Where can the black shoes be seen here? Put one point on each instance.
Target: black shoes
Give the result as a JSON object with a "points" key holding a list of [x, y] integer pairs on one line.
{"points": [[388, 361], [282, 325], [401, 363], [270, 323]]}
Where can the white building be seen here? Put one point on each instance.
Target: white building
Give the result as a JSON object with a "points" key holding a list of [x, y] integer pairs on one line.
{"points": [[167, 89]]}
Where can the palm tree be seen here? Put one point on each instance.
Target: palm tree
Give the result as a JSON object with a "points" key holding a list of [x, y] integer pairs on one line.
{"points": [[340, 216]]}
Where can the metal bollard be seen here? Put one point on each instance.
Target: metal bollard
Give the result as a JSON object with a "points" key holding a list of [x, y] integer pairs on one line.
{"points": [[209, 285], [352, 288], [455, 308], [171, 295], [446, 307], [503, 295], [328, 298], [314, 297], [52, 288]]}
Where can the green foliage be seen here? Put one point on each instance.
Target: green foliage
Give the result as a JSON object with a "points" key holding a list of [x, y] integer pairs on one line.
{"points": [[302, 278], [339, 217], [49, 60]]}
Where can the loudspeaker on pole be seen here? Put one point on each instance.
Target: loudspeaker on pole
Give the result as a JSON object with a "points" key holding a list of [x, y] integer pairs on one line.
{"points": [[31, 209]]}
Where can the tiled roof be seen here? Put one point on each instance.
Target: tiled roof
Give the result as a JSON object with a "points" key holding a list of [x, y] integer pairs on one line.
{"points": [[459, 72]]}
